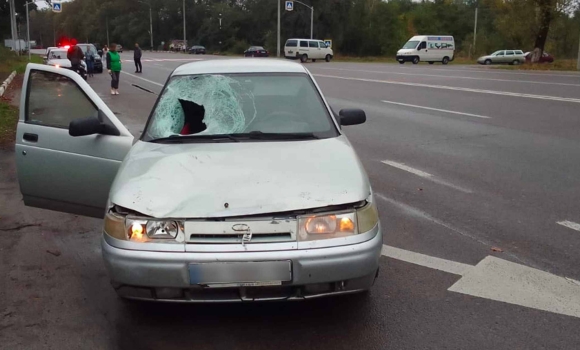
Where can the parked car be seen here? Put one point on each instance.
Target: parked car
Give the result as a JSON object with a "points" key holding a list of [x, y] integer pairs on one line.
{"points": [[307, 49], [98, 60], [256, 51], [58, 58], [242, 187], [545, 58], [46, 54], [427, 48], [197, 50], [503, 56]]}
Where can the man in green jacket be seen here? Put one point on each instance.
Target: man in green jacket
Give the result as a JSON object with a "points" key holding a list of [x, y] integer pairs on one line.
{"points": [[114, 67]]}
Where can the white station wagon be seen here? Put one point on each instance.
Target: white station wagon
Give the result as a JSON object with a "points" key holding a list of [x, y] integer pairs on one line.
{"points": [[242, 186]]}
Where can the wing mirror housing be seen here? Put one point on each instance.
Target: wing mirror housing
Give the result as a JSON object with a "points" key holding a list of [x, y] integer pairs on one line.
{"points": [[91, 126], [352, 116]]}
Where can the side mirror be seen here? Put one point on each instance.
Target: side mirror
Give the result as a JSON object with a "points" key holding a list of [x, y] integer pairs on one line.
{"points": [[100, 52], [91, 126], [352, 116]]}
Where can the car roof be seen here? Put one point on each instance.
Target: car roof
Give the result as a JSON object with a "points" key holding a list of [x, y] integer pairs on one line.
{"points": [[304, 39], [240, 65]]}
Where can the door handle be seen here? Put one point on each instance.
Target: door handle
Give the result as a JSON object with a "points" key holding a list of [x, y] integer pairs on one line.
{"points": [[30, 137]]}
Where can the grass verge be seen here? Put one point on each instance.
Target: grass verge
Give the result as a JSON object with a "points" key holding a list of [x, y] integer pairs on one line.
{"points": [[8, 121], [558, 65], [10, 61]]}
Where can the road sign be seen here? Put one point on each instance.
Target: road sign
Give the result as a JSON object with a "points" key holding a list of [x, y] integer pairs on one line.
{"points": [[56, 6], [289, 5], [328, 43]]}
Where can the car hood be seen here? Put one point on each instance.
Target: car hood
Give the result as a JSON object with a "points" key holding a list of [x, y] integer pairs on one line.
{"points": [[63, 62], [404, 51], [485, 57], [201, 180]]}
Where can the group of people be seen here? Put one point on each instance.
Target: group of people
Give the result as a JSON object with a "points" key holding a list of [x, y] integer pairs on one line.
{"points": [[113, 59]]}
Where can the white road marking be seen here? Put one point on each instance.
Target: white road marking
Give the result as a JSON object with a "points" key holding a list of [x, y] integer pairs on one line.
{"points": [[424, 175], [508, 282], [451, 76], [454, 88], [147, 80], [569, 224], [437, 109], [431, 262]]}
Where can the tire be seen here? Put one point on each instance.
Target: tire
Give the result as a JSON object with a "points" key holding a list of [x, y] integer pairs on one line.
{"points": [[487, 62], [515, 62], [401, 62], [445, 60], [313, 60], [431, 62], [327, 58], [415, 60], [304, 58]]}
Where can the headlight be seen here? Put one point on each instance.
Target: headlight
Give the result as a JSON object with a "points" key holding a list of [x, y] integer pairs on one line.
{"points": [[336, 225], [143, 230]]}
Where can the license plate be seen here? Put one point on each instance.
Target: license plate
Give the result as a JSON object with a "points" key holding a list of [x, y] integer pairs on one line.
{"points": [[290, 51], [240, 274]]}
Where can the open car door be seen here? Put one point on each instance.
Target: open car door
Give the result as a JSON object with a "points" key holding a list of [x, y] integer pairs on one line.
{"points": [[56, 170]]}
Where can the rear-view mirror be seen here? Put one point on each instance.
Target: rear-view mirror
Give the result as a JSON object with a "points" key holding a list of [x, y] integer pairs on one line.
{"points": [[352, 116], [91, 126]]}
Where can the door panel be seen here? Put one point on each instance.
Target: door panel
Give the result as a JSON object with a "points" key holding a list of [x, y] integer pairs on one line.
{"points": [[57, 171]]}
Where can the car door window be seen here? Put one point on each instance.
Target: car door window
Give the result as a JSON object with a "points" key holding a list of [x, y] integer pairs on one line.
{"points": [[509, 53], [55, 100], [422, 45], [313, 44], [304, 44], [322, 44], [500, 53]]}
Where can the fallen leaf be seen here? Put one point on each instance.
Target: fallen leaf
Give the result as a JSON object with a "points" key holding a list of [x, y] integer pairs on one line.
{"points": [[53, 252], [496, 249]]}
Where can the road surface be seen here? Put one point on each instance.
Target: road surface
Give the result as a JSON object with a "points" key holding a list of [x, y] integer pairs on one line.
{"points": [[476, 175]]}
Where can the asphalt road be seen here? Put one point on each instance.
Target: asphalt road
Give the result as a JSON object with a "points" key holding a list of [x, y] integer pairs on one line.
{"points": [[467, 163]]}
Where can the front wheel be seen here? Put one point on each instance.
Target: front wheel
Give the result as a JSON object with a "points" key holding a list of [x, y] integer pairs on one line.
{"points": [[303, 58], [327, 58], [415, 60], [445, 60], [487, 62], [515, 62]]}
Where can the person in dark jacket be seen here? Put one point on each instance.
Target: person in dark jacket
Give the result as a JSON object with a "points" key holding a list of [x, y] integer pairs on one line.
{"points": [[114, 67], [75, 55], [137, 58]]}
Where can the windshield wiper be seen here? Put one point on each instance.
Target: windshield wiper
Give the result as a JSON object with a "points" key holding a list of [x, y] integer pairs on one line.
{"points": [[253, 135], [195, 138]]}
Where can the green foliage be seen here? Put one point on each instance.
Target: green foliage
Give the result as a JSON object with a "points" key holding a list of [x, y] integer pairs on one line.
{"points": [[357, 27]]}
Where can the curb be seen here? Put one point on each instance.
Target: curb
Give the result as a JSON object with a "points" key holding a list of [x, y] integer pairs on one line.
{"points": [[7, 82]]}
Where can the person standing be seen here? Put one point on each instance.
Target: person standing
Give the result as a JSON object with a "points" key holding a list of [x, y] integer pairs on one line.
{"points": [[114, 67], [90, 61], [75, 55], [137, 58]]}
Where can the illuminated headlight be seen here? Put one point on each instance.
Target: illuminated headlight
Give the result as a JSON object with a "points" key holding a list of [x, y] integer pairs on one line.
{"points": [[142, 230], [336, 225]]}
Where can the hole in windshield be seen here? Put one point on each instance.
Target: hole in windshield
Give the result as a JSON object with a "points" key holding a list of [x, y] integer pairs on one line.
{"points": [[239, 104]]}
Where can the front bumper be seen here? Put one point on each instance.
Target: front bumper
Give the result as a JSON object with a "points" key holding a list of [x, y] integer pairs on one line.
{"points": [[404, 58], [164, 276]]}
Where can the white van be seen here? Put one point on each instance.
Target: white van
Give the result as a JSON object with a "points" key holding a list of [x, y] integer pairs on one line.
{"points": [[427, 48], [305, 49]]}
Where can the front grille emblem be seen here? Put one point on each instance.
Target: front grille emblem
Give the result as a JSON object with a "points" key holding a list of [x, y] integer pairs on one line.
{"points": [[247, 233]]}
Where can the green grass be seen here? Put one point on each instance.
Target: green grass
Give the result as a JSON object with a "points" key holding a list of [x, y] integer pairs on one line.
{"points": [[10, 61], [558, 65], [8, 121]]}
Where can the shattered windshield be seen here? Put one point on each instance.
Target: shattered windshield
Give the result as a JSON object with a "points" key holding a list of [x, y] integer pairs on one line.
{"points": [[229, 104]]}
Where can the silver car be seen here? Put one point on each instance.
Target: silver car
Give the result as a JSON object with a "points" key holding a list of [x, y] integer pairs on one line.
{"points": [[513, 57], [242, 186]]}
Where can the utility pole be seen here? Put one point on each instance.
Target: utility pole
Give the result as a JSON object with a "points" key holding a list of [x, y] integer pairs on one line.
{"points": [[578, 63], [311, 17], [107, 23], [278, 40], [184, 38], [13, 28], [28, 30], [151, 27], [475, 31]]}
